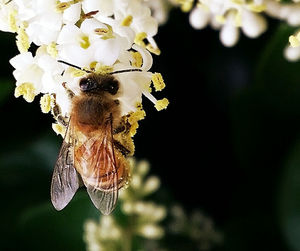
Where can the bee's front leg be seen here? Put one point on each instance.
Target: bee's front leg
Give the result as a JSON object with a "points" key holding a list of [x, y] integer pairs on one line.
{"points": [[56, 112], [70, 93]]}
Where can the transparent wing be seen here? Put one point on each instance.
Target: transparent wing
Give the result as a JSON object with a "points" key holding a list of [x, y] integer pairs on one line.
{"points": [[65, 180], [99, 169], [103, 200]]}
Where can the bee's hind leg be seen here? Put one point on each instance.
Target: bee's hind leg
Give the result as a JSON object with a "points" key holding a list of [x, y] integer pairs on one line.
{"points": [[121, 148]]}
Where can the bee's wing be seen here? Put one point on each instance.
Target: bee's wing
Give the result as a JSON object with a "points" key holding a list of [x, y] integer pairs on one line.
{"points": [[101, 179], [65, 180], [104, 201]]}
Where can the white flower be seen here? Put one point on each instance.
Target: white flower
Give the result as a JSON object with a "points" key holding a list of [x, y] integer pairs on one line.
{"points": [[200, 17], [83, 45], [8, 13], [292, 53], [41, 73], [289, 12], [228, 16]]}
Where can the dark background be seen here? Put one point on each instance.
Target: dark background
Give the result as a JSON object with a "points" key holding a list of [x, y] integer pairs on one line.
{"points": [[228, 144]]}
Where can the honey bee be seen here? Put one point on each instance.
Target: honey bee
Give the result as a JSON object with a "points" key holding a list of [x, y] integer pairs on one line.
{"points": [[89, 154]]}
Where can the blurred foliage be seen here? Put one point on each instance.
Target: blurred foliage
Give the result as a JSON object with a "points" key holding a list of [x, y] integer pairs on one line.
{"points": [[228, 144]]}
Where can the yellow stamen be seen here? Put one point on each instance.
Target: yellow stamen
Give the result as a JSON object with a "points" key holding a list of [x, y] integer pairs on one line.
{"points": [[60, 7], [12, 20], [158, 81], [27, 90], [256, 7], [137, 59], [237, 1], [139, 39], [84, 42], [59, 129], [220, 19], [298, 35], [46, 102], [185, 5], [76, 73], [154, 50], [101, 31], [52, 50], [127, 21], [100, 68], [106, 33], [294, 42], [162, 104], [22, 41], [238, 19]]}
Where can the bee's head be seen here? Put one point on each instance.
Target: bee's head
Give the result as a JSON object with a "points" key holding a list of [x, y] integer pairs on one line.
{"points": [[98, 83]]}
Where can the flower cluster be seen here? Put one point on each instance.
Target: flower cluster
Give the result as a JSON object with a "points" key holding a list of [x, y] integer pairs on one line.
{"points": [[195, 226], [142, 217], [249, 16], [230, 17], [95, 35]]}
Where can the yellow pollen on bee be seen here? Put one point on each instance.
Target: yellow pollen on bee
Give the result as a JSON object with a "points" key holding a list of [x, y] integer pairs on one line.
{"points": [[137, 59], [139, 39], [46, 102], [22, 41], [162, 104], [52, 50], [134, 117], [158, 81], [84, 42], [27, 90], [59, 129], [127, 21]]}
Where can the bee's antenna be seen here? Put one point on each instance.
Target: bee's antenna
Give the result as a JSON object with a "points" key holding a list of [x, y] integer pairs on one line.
{"points": [[8, 2], [82, 69], [122, 71], [74, 66]]}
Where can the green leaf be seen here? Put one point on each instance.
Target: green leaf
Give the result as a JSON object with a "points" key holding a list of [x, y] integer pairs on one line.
{"points": [[289, 199]]}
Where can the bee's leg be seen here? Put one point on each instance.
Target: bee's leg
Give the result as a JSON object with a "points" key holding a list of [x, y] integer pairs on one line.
{"points": [[120, 128], [124, 126], [70, 93], [121, 148], [56, 112]]}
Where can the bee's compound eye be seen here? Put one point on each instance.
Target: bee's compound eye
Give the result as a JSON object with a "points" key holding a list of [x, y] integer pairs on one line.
{"points": [[87, 84], [112, 87]]}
